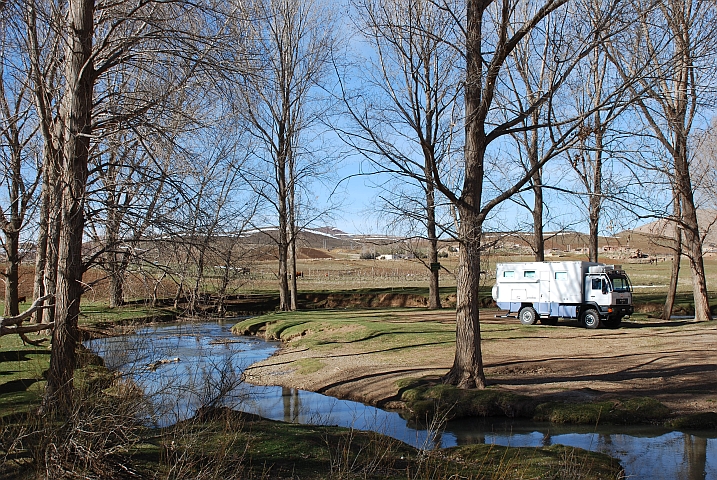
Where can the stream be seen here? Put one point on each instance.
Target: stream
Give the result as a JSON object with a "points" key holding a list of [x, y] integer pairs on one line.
{"points": [[181, 367]]}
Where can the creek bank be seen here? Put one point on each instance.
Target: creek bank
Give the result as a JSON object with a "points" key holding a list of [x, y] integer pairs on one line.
{"points": [[344, 355], [264, 448]]}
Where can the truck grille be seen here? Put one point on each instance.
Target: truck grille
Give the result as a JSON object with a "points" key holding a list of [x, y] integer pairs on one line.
{"points": [[622, 301]]}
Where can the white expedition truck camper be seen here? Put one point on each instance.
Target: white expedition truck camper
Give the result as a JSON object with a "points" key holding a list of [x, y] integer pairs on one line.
{"points": [[591, 292]]}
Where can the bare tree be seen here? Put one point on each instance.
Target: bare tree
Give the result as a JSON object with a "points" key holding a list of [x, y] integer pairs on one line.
{"points": [[492, 33], [534, 72], [405, 111], [592, 154], [123, 201], [95, 38], [20, 150], [291, 42], [675, 41]]}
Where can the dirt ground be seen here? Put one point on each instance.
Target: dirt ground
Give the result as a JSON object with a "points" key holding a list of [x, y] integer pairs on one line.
{"points": [[674, 362]]}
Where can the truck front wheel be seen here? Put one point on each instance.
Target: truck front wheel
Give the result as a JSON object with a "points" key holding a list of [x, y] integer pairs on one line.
{"points": [[527, 316], [590, 318]]}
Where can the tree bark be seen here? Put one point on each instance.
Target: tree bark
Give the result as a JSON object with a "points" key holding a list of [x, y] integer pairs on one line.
{"points": [[595, 203], [54, 221], [12, 273], [118, 273], [693, 240], [283, 241], [434, 293], [537, 186], [467, 370], [538, 236], [693, 244], [76, 112], [293, 232], [11, 230], [676, 258], [42, 238]]}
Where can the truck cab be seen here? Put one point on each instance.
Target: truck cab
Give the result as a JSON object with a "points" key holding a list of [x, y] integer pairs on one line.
{"points": [[607, 291]]}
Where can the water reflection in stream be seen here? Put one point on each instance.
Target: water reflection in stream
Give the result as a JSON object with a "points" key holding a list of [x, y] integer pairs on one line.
{"points": [[182, 366]]}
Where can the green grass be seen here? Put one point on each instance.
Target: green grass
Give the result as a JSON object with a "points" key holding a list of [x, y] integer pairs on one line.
{"points": [[99, 315], [334, 329], [697, 421], [309, 365], [21, 373], [629, 411], [425, 399]]}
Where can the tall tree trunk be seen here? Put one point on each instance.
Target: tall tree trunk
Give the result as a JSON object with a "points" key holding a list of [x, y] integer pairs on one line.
{"points": [[179, 292], [114, 258], [42, 238], [283, 211], [292, 233], [283, 244], [693, 241], [50, 127], [595, 203], [538, 237], [467, 370], [201, 261], [12, 229], [76, 113], [681, 121], [118, 272], [293, 288], [434, 293], [53, 238], [537, 186], [12, 271], [283, 277], [676, 258]]}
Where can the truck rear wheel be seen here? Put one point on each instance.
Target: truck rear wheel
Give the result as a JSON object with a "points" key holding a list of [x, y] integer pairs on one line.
{"points": [[590, 318], [527, 316]]}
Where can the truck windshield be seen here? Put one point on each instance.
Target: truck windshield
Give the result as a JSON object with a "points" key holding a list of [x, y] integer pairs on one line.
{"points": [[620, 283]]}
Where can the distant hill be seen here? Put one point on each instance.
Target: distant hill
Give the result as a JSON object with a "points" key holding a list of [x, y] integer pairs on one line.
{"points": [[707, 220]]}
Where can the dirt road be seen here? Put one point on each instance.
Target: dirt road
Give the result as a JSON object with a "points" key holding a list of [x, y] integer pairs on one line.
{"points": [[674, 362]]}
